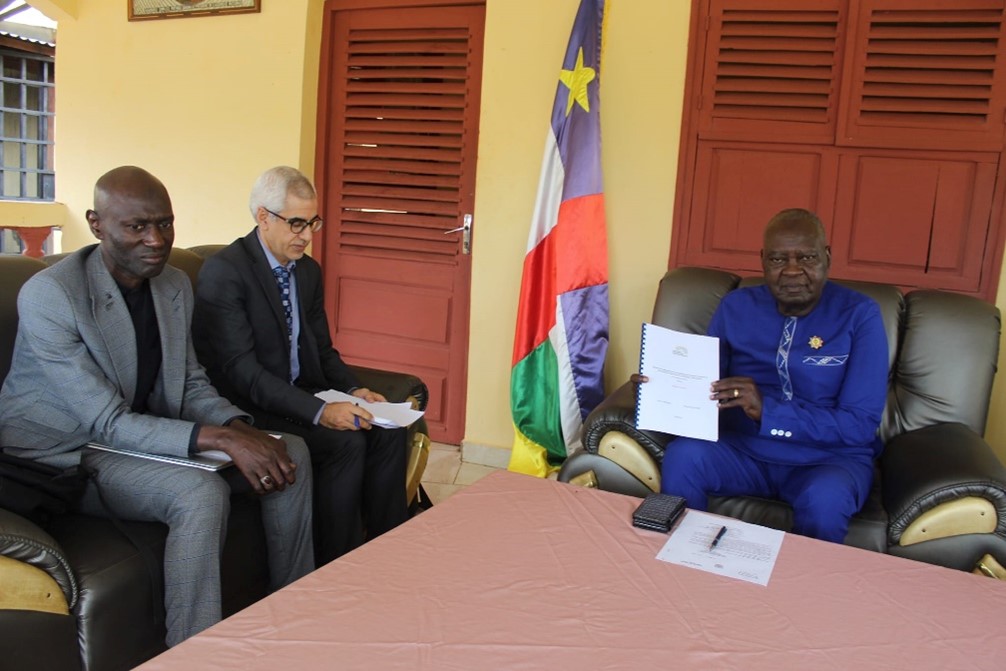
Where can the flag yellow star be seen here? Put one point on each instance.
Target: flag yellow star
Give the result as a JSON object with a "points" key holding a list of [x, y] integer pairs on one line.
{"points": [[576, 81]]}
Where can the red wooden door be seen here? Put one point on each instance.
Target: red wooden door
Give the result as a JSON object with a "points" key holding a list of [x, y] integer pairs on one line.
{"points": [[397, 141]]}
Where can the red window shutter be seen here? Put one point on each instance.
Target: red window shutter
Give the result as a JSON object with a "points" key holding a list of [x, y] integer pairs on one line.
{"points": [[884, 116], [925, 74], [914, 218], [771, 70]]}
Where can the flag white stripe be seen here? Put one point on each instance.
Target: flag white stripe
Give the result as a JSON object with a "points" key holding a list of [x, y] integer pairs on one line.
{"points": [[569, 405], [546, 205]]}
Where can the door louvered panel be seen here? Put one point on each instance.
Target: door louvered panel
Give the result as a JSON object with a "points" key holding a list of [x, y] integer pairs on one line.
{"points": [[771, 69], [925, 75], [404, 98], [398, 137]]}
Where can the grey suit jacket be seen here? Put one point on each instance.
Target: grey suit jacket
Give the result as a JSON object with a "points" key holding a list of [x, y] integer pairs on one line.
{"points": [[73, 373]]}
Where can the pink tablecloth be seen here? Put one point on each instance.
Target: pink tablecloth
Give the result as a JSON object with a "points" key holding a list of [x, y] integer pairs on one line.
{"points": [[520, 573]]}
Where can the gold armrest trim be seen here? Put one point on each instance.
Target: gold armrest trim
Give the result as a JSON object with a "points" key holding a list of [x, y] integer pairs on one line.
{"points": [[990, 568], [586, 479], [27, 587], [419, 454], [968, 515], [627, 453]]}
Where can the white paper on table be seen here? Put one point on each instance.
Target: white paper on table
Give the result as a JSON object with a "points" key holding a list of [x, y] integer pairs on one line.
{"points": [[745, 552], [680, 367], [386, 415]]}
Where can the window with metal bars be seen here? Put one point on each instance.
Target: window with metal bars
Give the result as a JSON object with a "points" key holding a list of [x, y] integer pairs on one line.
{"points": [[26, 117]]}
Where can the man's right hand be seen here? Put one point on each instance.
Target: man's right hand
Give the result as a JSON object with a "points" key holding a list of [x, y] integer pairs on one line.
{"points": [[738, 392], [262, 459], [345, 417]]}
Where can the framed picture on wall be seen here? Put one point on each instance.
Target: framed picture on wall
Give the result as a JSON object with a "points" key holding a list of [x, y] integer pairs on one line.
{"points": [[173, 9]]}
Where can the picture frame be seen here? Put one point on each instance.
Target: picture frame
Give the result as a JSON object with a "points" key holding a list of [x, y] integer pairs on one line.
{"points": [[142, 10]]}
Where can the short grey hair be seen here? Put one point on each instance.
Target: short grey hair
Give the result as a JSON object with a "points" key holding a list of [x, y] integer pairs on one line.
{"points": [[797, 216], [274, 185]]}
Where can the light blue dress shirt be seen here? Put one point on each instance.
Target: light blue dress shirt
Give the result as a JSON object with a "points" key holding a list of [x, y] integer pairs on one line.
{"points": [[294, 300]]}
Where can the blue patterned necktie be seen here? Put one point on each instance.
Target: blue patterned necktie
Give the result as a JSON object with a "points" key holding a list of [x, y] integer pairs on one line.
{"points": [[782, 356], [283, 279]]}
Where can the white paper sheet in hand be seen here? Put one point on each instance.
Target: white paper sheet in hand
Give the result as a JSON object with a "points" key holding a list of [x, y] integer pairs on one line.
{"points": [[680, 368], [386, 415]]}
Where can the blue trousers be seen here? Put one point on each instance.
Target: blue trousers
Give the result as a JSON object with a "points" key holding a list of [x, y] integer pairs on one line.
{"points": [[823, 496]]}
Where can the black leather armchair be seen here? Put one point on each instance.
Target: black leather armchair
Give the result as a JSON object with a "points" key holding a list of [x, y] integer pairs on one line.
{"points": [[939, 494], [75, 593]]}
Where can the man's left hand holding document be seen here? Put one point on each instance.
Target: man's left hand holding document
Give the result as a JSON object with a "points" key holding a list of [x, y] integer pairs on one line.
{"points": [[386, 415]]}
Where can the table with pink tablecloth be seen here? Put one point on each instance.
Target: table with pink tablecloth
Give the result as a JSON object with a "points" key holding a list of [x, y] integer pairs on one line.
{"points": [[520, 573]]}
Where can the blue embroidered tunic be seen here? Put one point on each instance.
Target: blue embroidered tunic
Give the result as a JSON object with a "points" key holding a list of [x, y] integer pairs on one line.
{"points": [[822, 376]]}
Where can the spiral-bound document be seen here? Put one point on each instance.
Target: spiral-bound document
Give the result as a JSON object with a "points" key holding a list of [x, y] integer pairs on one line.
{"points": [[680, 368]]}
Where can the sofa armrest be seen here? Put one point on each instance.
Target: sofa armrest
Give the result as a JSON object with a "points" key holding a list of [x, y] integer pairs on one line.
{"points": [[396, 387], [26, 542], [618, 413], [399, 387], [940, 481]]}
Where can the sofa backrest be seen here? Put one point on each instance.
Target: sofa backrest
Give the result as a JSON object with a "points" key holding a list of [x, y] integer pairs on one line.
{"points": [[16, 269], [14, 272], [186, 260], [943, 346], [946, 363]]}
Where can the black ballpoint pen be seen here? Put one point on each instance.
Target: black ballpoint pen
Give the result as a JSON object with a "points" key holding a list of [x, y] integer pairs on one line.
{"points": [[719, 535]]}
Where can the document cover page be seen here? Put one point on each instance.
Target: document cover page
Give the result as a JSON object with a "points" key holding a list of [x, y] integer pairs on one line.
{"points": [[680, 368]]}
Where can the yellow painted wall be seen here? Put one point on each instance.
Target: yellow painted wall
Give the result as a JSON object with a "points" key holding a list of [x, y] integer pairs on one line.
{"points": [[207, 103], [642, 84]]}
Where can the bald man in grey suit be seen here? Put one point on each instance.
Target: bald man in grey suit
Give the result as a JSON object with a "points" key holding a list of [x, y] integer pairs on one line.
{"points": [[103, 354]]}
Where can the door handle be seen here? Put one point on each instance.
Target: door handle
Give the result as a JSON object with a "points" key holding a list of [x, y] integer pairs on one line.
{"points": [[466, 234]]}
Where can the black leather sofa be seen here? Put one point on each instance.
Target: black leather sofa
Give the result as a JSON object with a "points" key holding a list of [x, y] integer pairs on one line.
{"points": [[75, 593], [939, 493]]}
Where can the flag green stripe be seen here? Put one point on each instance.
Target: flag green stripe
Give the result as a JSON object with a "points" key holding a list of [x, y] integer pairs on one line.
{"points": [[534, 399]]}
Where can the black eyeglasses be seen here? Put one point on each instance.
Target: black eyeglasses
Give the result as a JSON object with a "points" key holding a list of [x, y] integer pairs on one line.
{"points": [[297, 224]]}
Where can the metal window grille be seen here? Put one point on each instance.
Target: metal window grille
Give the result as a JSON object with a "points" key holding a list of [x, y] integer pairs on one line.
{"points": [[26, 122]]}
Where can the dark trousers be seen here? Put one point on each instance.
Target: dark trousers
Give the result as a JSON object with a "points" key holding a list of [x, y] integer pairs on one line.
{"points": [[359, 482]]}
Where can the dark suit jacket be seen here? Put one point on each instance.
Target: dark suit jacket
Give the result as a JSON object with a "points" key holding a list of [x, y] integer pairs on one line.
{"points": [[240, 336]]}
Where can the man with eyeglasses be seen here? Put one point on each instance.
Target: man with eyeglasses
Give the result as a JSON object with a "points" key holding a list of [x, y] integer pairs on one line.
{"points": [[261, 331], [803, 383]]}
